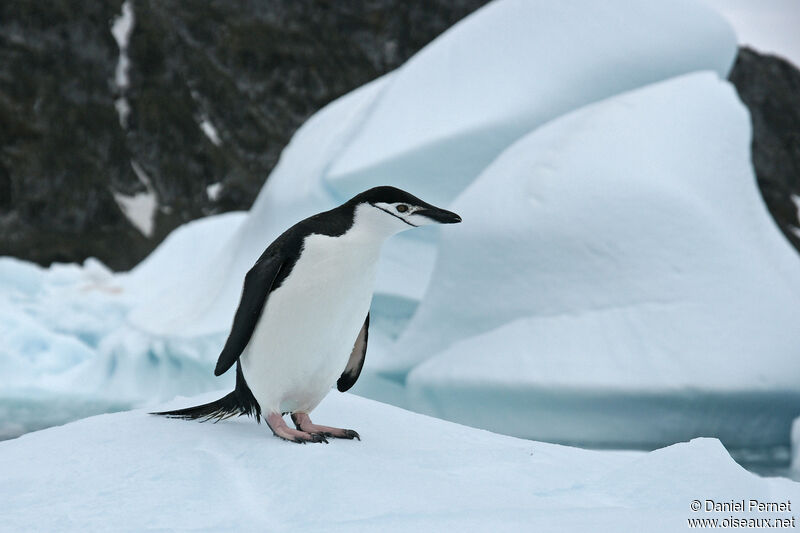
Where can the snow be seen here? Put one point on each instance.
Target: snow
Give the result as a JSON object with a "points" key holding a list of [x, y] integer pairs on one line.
{"points": [[210, 131], [635, 274], [121, 29], [213, 191], [140, 208], [133, 472], [123, 110], [767, 25], [510, 67]]}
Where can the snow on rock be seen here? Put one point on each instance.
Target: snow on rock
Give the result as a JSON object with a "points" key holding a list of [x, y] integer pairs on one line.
{"points": [[211, 132], [617, 279], [135, 472], [510, 67], [796, 200], [213, 191], [140, 208], [121, 30]]}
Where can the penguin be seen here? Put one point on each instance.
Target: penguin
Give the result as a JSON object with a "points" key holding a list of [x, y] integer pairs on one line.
{"points": [[303, 318]]}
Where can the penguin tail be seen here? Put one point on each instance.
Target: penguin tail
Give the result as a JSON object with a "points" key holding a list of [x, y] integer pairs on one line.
{"points": [[220, 409], [237, 403]]}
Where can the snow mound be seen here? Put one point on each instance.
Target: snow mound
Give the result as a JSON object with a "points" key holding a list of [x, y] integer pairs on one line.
{"points": [[646, 275], [134, 472], [510, 67]]}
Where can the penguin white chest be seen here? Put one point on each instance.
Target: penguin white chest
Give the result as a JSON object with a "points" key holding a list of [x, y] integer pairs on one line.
{"points": [[309, 325]]}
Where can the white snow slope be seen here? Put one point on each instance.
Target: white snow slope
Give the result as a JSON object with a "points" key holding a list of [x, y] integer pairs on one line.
{"points": [[135, 472]]}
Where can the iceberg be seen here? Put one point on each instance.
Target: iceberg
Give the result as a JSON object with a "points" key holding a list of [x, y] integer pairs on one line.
{"points": [[617, 279], [507, 69], [134, 472]]}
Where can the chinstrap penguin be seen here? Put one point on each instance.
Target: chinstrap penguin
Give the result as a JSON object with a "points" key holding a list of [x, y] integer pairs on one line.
{"points": [[303, 319]]}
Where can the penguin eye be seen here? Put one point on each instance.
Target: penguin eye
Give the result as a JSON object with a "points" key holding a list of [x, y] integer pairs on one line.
{"points": [[402, 208]]}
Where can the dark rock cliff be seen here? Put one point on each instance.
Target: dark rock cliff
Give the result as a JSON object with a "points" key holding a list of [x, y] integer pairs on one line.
{"points": [[214, 90], [770, 87]]}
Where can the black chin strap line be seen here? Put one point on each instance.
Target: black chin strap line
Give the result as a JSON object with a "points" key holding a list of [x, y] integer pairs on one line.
{"points": [[395, 216]]}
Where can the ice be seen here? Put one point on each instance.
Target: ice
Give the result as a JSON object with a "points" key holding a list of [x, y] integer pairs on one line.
{"points": [[510, 67], [646, 277], [134, 472], [70, 348]]}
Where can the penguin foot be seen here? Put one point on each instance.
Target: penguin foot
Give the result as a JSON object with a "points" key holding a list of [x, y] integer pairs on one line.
{"points": [[303, 423], [281, 430]]}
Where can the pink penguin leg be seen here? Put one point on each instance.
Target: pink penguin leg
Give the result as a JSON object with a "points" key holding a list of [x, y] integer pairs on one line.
{"points": [[303, 422], [280, 429]]}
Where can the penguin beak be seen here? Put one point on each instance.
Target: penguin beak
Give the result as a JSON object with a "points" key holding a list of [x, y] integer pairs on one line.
{"points": [[442, 216]]}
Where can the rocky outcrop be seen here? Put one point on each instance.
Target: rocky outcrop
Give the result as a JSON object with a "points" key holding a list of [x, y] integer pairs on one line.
{"points": [[210, 94], [214, 89], [60, 154], [770, 87]]}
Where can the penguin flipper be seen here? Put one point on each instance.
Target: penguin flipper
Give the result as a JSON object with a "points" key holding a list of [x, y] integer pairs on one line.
{"points": [[356, 361], [258, 283]]}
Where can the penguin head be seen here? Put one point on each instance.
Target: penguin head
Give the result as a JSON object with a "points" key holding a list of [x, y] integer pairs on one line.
{"points": [[398, 210]]}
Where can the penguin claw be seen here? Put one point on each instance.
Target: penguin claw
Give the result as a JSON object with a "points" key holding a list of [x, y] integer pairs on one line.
{"points": [[321, 437], [351, 434]]}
